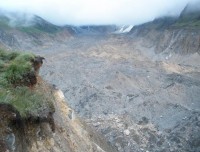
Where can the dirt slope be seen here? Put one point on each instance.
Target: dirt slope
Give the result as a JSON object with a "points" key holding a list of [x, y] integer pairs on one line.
{"points": [[68, 135]]}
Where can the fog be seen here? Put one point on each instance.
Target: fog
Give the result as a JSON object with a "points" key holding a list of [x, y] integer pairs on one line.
{"points": [[96, 12]]}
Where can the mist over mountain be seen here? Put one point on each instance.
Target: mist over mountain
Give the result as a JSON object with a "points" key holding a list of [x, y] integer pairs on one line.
{"points": [[191, 11], [94, 12]]}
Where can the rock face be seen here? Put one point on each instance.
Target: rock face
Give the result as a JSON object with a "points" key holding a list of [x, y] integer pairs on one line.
{"points": [[168, 40], [37, 63], [11, 122], [174, 41], [170, 35]]}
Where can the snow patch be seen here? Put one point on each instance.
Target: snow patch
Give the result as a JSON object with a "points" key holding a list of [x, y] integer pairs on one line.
{"points": [[124, 29]]}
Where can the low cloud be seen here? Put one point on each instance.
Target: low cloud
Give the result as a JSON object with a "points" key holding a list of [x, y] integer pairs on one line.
{"points": [[85, 12]]}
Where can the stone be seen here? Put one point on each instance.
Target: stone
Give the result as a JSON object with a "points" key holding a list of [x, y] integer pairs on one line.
{"points": [[71, 114], [127, 132]]}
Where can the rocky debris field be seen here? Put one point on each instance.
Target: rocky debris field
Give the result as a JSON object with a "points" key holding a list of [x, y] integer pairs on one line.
{"points": [[139, 100]]}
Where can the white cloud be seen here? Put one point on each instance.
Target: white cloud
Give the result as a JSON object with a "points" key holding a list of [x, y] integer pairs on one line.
{"points": [[81, 12]]}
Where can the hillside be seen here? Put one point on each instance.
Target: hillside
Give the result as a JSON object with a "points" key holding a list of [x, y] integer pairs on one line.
{"points": [[18, 31], [172, 35], [191, 12], [33, 32], [34, 115]]}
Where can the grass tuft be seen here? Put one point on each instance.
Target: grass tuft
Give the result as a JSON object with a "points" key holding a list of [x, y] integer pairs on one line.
{"points": [[29, 102], [15, 65]]}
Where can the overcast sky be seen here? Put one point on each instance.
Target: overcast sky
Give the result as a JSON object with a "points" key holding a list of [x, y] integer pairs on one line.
{"points": [[84, 12]]}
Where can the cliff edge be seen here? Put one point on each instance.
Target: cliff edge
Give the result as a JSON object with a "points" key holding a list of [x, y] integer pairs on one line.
{"points": [[34, 115]]}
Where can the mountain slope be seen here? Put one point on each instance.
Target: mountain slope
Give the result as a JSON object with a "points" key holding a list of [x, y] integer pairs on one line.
{"points": [[18, 32], [171, 35], [191, 12]]}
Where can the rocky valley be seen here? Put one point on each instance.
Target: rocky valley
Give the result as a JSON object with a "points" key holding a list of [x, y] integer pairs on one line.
{"points": [[139, 91]]}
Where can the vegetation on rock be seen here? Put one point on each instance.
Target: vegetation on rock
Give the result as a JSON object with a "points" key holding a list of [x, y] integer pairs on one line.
{"points": [[17, 77]]}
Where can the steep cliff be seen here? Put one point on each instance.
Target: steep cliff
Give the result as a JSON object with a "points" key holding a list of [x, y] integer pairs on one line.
{"points": [[35, 116]]}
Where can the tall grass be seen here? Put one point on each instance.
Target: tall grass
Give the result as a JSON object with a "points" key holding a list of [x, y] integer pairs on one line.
{"points": [[23, 99], [18, 67], [13, 67]]}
